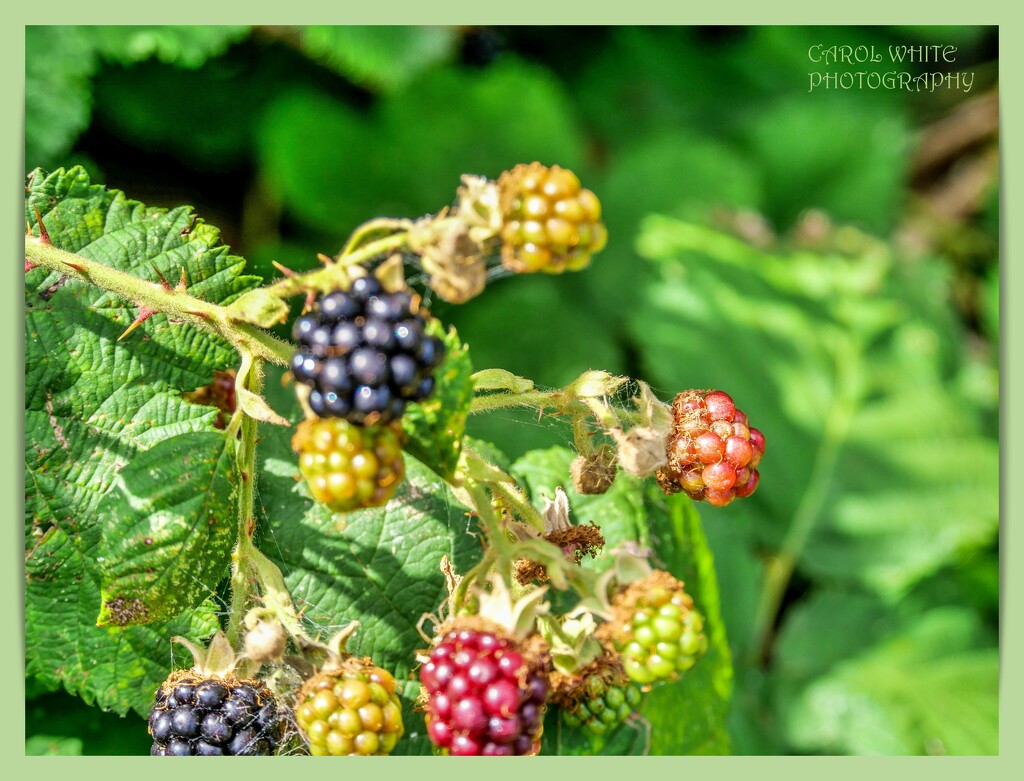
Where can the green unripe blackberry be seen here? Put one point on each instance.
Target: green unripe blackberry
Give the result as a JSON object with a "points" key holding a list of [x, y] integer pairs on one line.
{"points": [[350, 709], [599, 699], [551, 223], [656, 629], [349, 467]]}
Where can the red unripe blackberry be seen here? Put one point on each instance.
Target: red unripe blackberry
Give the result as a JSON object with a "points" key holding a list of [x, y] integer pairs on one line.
{"points": [[483, 694], [712, 452], [211, 715], [350, 709], [551, 223], [349, 467]]}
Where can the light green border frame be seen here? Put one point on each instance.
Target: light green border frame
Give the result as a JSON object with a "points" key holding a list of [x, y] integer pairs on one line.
{"points": [[529, 12]]}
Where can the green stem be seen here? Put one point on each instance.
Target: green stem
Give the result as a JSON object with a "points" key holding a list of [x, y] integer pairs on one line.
{"points": [[335, 275], [249, 377], [379, 225], [780, 568], [174, 303], [495, 401]]}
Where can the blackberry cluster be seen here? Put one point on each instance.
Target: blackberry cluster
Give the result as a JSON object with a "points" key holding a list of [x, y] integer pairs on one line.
{"points": [[713, 453], [601, 702], [365, 353], [484, 698], [663, 638], [349, 467], [351, 712], [551, 223], [197, 716]]}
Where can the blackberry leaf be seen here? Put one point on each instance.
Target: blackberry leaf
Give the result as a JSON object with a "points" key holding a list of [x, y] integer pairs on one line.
{"points": [[435, 427], [92, 406]]}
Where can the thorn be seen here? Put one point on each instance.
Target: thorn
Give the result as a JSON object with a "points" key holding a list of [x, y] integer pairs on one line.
{"points": [[182, 282], [163, 280], [76, 266], [29, 265], [43, 235], [283, 269], [144, 314], [196, 313], [324, 259], [310, 301]]}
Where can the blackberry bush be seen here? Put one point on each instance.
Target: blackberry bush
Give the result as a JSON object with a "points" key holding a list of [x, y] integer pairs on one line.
{"points": [[193, 517]]}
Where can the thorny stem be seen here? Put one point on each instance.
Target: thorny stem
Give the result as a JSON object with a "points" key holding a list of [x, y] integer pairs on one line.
{"points": [[174, 303], [254, 576], [250, 377], [336, 275], [380, 225], [577, 407]]}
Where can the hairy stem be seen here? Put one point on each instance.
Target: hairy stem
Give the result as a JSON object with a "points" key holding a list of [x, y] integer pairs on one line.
{"points": [[176, 304]]}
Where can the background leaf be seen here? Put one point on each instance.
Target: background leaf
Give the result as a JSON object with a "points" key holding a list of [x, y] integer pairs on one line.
{"points": [[379, 57]]}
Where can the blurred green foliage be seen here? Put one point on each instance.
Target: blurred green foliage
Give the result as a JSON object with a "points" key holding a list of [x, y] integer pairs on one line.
{"points": [[860, 584]]}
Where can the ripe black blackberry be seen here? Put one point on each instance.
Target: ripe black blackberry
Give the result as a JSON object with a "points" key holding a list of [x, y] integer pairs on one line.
{"points": [[365, 353], [213, 716], [209, 711]]}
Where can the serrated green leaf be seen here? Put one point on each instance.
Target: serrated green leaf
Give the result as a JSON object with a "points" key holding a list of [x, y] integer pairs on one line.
{"points": [[114, 668], [844, 365], [704, 693], [383, 569], [92, 405], [435, 427], [168, 529], [688, 716], [379, 57]]}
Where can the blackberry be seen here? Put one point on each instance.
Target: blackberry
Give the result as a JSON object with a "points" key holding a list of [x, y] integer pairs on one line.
{"points": [[712, 451], [365, 354], [597, 699], [550, 223], [212, 715], [656, 629], [349, 467], [483, 695], [350, 709]]}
